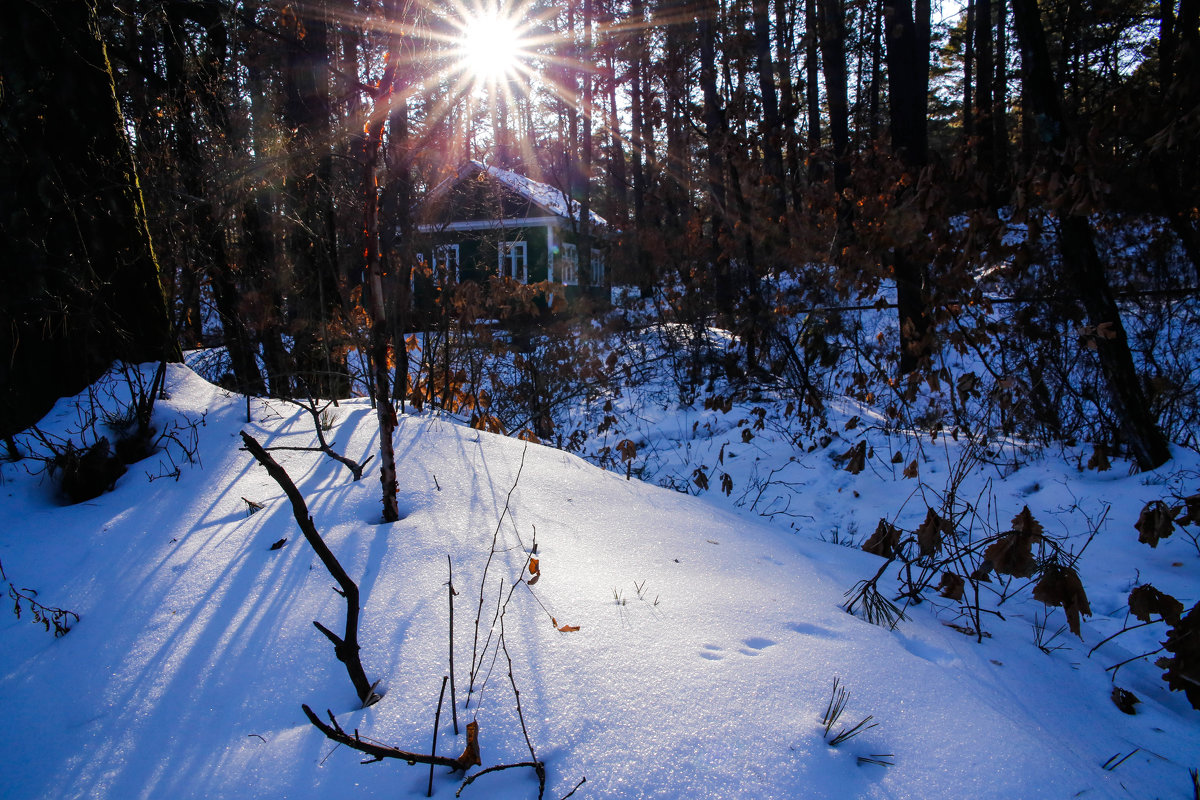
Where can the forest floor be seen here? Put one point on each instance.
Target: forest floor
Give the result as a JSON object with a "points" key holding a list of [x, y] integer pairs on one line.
{"points": [[673, 645]]}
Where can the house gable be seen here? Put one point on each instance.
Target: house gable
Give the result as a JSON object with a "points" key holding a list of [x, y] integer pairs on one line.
{"points": [[484, 221]]}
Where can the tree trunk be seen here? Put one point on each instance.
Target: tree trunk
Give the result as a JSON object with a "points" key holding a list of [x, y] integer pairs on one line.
{"points": [[200, 214], [1084, 269], [313, 242], [81, 281], [788, 110], [1000, 148], [775, 229], [645, 273], [585, 190], [812, 87], [716, 134], [908, 74], [832, 27], [968, 101]]}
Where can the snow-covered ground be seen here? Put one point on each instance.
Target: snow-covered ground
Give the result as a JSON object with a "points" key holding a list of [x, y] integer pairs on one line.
{"points": [[709, 635]]}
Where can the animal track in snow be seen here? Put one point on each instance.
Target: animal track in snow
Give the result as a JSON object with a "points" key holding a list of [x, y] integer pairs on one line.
{"points": [[808, 629], [755, 645]]}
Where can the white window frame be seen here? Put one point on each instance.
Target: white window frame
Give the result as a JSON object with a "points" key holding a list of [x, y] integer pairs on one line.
{"points": [[447, 255], [598, 266], [511, 256], [569, 259]]}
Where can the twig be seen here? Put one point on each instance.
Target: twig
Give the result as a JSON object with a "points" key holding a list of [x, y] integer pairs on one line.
{"points": [[356, 469], [516, 692], [1108, 639], [437, 718], [483, 580], [451, 593], [537, 767], [582, 781]]}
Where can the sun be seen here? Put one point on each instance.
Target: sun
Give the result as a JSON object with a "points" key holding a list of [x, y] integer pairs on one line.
{"points": [[491, 46]]}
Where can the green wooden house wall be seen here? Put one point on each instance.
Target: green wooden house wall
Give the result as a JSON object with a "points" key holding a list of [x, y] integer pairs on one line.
{"points": [[472, 215]]}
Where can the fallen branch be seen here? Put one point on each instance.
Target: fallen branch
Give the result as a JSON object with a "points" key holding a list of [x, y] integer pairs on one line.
{"points": [[334, 732], [345, 647]]}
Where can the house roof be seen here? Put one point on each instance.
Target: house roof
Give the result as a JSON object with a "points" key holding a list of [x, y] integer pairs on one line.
{"points": [[547, 197]]}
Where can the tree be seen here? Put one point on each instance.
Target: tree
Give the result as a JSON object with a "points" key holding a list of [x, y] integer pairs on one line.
{"points": [[1084, 269], [908, 97], [81, 281]]}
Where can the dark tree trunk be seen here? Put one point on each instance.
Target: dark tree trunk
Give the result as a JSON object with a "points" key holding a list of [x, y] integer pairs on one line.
{"points": [[618, 181], [199, 212], [675, 200], [968, 101], [812, 98], [380, 338], [81, 281], [774, 231], [832, 27], [789, 111], [716, 134], [316, 299], [1084, 269], [585, 189], [1000, 148], [984, 99], [908, 74], [645, 276]]}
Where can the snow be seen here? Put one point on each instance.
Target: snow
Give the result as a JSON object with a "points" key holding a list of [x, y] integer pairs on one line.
{"points": [[709, 635], [543, 194]]}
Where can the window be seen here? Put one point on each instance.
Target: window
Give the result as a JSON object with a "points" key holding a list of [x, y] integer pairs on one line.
{"points": [[597, 267], [514, 261], [445, 262], [568, 265]]}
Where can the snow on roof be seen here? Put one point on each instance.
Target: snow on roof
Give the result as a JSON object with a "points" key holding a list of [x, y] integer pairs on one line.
{"points": [[540, 193], [543, 194]]}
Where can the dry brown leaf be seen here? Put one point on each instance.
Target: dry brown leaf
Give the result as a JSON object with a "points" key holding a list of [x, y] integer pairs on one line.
{"points": [[1125, 700], [535, 571], [1024, 523], [929, 534], [1011, 554], [951, 586], [1099, 460], [911, 471], [967, 385], [1183, 667], [885, 542], [1146, 600], [855, 458], [470, 757], [1191, 512], [1157, 521], [1060, 586], [563, 628]]}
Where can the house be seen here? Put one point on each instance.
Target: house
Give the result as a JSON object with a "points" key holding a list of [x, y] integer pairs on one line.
{"points": [[486, 221]]}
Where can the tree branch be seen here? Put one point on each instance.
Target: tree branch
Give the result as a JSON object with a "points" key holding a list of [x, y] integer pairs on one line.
{"points": [[346, 649]]}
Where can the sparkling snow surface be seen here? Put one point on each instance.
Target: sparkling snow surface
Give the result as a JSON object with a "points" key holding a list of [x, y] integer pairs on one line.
{"points": [[707, 646]]}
